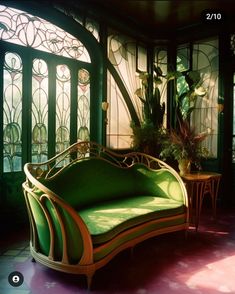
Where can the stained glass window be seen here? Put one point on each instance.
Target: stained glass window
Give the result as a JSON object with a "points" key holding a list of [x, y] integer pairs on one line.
{"points": [[122, 55], [161, 61], [232, 43], [40, 83], [63, 94], [205, 117], [119, 134], [12, 113], [90, 24], [83, 114], [183, 58], [141, 56], [39, 111], [22, 28], [204, 60]]}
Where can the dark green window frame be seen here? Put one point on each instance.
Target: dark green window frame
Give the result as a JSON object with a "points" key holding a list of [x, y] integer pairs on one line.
{"points": [[28, 55]]}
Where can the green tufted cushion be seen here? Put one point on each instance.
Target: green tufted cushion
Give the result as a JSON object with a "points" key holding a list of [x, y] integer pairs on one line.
{"points": [[106, 220]]}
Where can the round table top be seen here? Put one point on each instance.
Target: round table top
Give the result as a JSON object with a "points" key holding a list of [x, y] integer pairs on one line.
{"points": [[200, 176]]}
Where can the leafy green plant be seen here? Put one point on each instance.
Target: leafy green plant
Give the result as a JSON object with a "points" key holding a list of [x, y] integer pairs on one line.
{"points": [[188, 89], [150, 96], [148, 138], [148, 135], [180, 142], [184, 143]]}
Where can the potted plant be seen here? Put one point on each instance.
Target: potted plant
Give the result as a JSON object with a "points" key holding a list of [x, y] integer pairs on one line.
{"points": [[184, 145], [147, 136]]}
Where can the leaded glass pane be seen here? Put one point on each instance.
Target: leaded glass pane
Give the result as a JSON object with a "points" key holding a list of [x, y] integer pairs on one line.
{"points": [[90, 24], [83, 114], [205, 117], [183, 58], [39, 111], [63, 96], [119, 130], [22, 28], [93, 27], [232, 43], [182, 65], [161, 61], [122, 55], [141, 58], [12, 113]]}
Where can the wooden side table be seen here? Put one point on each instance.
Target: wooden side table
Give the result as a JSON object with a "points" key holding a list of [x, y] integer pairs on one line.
{"points": [[198, 184]]}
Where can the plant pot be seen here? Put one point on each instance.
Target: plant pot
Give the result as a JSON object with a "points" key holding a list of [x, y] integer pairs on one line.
{"points": [[184, 166]]}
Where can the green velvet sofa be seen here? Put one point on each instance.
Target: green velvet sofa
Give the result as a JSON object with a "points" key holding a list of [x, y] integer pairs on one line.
{"points": [[88, 203]]}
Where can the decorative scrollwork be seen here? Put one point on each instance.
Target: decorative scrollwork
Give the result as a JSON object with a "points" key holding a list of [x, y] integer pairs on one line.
{"points": [[87, 149], [22, 28]]}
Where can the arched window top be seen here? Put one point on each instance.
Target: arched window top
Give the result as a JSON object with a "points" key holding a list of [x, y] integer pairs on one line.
{"points": [[22, 28]]}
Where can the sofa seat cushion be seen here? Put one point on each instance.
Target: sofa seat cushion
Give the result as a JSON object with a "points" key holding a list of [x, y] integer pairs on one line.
{"points": [[108, 219]]}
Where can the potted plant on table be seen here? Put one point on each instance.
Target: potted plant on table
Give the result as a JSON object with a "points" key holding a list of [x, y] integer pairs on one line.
{"points": [[184, 145]]}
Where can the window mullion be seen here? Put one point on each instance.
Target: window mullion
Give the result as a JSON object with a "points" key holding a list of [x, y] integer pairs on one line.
{"points": [[51, 108], [26, 108], [74, 105], [2, 53]]}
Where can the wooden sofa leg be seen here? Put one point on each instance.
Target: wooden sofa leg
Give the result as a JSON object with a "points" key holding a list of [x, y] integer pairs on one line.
{"points": [[33, 260], [89, 280]]}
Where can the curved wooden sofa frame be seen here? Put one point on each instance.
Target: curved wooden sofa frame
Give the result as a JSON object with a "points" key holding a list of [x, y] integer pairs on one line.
{"points": [[52, 167]]}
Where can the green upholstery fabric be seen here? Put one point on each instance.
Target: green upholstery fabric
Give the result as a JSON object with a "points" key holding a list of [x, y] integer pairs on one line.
{"points": [[106, 220], [94, 181], [110, 200], [148, 228], [119, 206], [159, 183], [73, 234], [41, 226]]}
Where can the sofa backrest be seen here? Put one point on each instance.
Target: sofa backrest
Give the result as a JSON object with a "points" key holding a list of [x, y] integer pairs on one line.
{"points": [[94, 180]]}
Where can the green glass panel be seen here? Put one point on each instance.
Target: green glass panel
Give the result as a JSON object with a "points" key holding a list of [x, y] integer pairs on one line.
{"points": [[39, 111], [83, 114], [183, 58], [12, 113], [63, 97], [160, 60]]}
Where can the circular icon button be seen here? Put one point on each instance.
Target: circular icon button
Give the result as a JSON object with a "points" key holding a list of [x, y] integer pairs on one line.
{"points": [[15, 279]]}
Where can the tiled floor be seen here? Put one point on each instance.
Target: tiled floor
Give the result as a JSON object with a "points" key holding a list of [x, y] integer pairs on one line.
{"points": [[169, 264], [16, 254]]}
